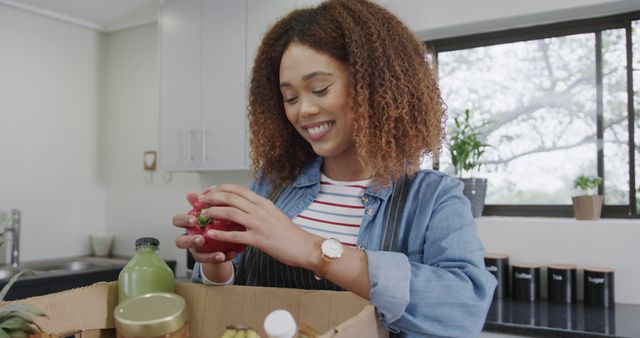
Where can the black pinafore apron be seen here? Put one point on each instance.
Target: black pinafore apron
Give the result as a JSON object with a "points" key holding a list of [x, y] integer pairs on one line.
{"points": [[256, 268]]}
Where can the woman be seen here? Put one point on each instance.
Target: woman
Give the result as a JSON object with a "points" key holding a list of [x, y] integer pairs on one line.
{"points": [[342, 108]]}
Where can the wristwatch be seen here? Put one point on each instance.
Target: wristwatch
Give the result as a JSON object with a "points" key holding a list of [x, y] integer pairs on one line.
{"points": [[331, 249]]}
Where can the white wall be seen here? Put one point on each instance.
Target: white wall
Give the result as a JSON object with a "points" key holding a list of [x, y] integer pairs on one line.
{"points": [[50, 151]]}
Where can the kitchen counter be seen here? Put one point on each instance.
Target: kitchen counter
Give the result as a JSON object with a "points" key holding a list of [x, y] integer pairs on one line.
{"points": [[547, 319]]}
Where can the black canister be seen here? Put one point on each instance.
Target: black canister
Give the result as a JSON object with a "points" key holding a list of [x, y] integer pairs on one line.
{"points": [[525, 280], [599, 286], [561, 283], [498, 265]]}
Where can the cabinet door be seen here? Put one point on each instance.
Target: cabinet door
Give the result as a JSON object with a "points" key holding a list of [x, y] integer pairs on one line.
{"points": [[224, 107], [261, 15], [179, 64], [207, 49]]}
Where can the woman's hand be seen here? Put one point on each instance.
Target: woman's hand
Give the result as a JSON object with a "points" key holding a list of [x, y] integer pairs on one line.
{"points": [[268, 228], [191, 243]]}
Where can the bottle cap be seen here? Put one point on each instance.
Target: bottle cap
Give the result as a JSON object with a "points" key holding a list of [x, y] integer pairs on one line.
{"points": [[280, 324], [150, 315], [147, 241]]}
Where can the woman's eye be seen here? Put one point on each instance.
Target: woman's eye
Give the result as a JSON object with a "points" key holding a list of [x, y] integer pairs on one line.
{"points": [[321, 91], [292, 99]]}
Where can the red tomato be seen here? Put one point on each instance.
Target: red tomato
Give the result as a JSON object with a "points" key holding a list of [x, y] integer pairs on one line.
{"points": [[212, 245], [205, 224]]}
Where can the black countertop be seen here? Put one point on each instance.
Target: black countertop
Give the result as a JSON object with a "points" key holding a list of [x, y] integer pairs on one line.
{"points": [[547, 319]]}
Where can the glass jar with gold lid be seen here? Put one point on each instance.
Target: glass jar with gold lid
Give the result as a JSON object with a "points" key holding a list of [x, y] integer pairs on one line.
{"points": [[152, 315]]}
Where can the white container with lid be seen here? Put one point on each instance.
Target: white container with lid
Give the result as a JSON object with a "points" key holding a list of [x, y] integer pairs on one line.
{"points": [[280, 324]]}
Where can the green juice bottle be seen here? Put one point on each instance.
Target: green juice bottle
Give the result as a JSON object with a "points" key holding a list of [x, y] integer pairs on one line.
{"points": [[145, 273]]}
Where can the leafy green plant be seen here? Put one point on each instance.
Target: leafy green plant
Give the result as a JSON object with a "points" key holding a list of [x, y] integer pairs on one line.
{"points": [[465, 146], [16, 320], [588, 184]]}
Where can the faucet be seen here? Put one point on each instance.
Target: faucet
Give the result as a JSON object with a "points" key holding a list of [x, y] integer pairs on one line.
{"points": [[14, 228]]}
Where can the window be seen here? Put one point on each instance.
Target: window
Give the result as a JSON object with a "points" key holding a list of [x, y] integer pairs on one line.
{"points": [[553, 102]]}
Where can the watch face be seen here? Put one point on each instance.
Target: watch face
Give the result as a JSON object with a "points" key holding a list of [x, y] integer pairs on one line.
{"points": [[332, 248]]}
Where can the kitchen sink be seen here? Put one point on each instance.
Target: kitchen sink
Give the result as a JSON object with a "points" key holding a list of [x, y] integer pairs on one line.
{"points": [[55, 275], [77, 264], [73, 265], [7, 272]]}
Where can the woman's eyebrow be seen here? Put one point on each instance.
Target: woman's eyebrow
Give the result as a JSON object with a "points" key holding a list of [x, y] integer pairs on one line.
{"points": [[307, 77], [314, 74]]}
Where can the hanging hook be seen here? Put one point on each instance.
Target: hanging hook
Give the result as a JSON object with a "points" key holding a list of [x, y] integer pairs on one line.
{"points": [[149, 178], [165, 179]]}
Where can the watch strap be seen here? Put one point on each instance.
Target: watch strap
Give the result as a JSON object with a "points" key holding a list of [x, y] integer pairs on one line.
{"points": [[324, 266]]}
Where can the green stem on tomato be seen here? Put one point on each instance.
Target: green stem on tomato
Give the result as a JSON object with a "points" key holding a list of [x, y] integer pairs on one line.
{"points": [[203, 221]]}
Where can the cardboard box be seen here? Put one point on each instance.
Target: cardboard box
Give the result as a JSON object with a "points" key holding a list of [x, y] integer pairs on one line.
{"points": [[88, 312]]}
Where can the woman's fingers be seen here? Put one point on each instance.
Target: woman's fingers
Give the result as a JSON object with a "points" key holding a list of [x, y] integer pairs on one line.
{"points": [[192, 197], [241, 191], [183, 220], [212, 257], [230, 214], [189, 242], [224, 198], [243, 237], [193, 242]]}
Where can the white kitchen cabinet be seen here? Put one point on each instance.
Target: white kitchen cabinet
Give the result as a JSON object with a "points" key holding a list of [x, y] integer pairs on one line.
{"points": [[202, 47], [261, 15], [179, 65], [207, 49], [224, 104]]}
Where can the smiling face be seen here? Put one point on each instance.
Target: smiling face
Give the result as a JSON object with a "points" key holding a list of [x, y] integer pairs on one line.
{"points": [[315, 90]]}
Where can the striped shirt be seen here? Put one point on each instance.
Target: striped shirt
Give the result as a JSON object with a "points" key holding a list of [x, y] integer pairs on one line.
{"points": [[336, 212]]}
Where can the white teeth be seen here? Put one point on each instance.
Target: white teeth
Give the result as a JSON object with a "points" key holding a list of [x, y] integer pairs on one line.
{"points": [[319, 129]]}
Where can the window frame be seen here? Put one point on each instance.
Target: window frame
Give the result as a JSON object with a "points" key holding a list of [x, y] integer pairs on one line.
{"points": [[553, 30]]}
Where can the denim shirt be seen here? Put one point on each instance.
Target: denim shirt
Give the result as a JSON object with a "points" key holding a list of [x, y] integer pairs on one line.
{"points": [[436, 284]]}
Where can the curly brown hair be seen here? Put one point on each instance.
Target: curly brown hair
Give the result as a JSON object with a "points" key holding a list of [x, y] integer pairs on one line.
{"points": [[398, 111]]}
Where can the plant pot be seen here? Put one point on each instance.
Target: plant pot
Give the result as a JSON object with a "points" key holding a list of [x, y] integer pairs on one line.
{"points": [[587, 207], [475, 189]]}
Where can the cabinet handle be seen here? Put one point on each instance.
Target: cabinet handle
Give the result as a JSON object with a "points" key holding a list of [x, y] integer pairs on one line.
{"points": [[204, 145], [189, 137]]}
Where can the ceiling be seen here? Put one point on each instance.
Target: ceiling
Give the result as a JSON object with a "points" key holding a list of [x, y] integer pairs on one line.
{"points": [[102, 15]]}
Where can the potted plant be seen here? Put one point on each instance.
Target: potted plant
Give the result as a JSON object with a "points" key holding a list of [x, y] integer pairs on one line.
{"points": [[466, 148], [588, 205]]}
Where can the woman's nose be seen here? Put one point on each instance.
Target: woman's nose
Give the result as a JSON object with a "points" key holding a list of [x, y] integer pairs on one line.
{"points": [[307, 107]]}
